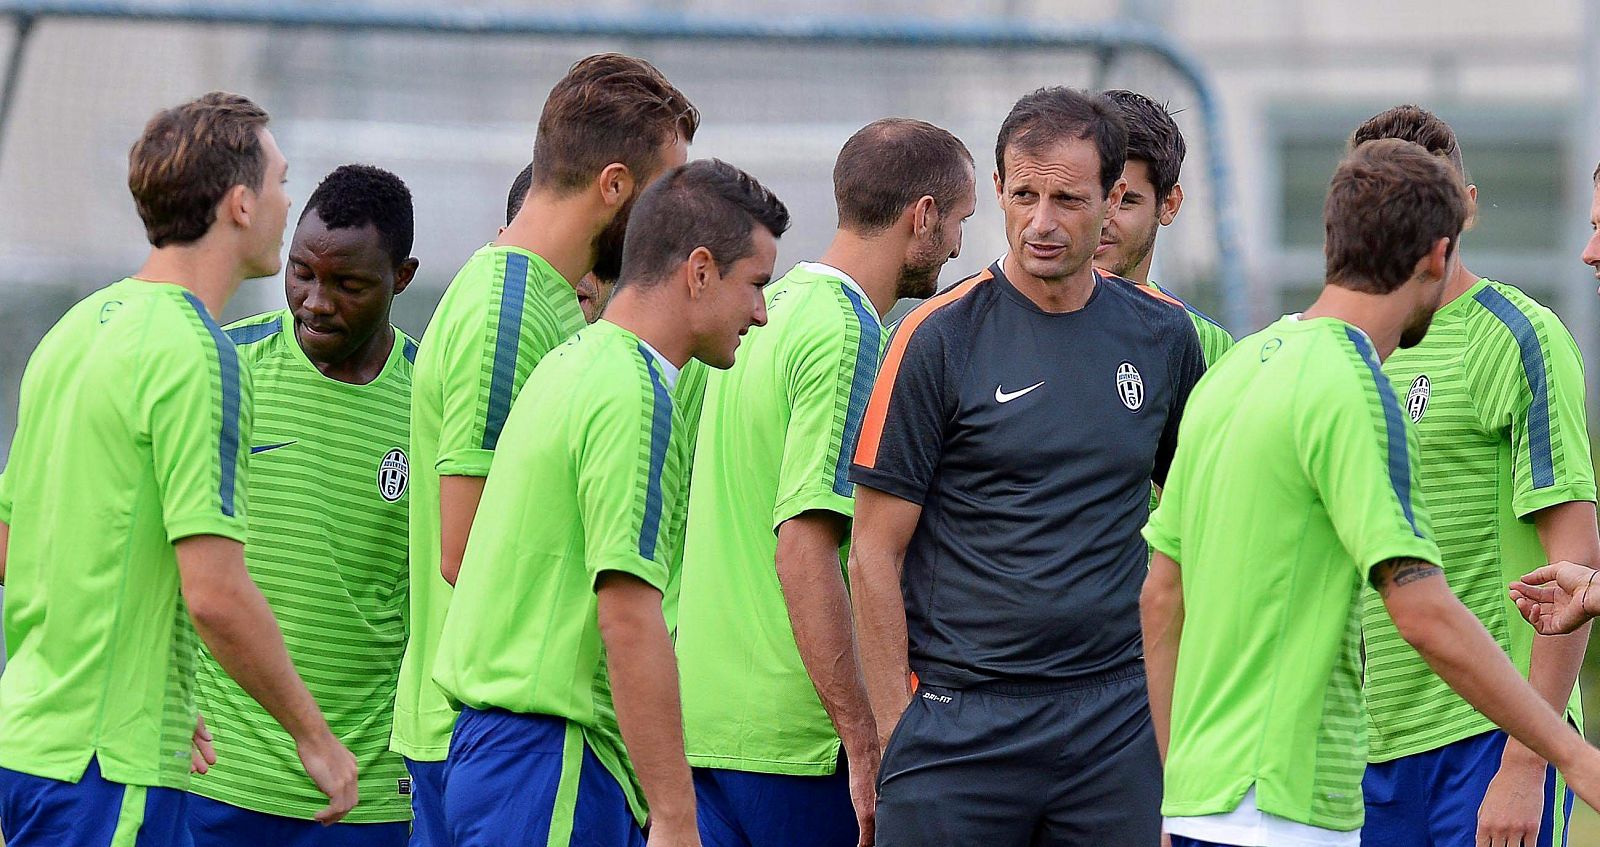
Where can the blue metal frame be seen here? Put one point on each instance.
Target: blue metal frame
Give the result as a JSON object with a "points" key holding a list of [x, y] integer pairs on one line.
{"points": [[1105, 40]]}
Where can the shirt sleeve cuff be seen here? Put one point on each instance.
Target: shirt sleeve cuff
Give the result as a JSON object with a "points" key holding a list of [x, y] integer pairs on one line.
{"points": [[888, 483], [218, 524], [1423, 549], [1543, 498], [653, 573], [1162, 543], [812, 500], [469, 462]]}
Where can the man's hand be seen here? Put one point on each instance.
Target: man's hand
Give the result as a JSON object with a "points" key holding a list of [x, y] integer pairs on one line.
{"points": [[1556, 599], [1514, 804], [333, 769], [661, 836], [864, 796], [201, 754]]}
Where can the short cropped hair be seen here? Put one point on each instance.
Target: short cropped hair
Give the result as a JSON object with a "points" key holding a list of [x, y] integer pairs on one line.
{"points": [[519, 192], [356, 195], [892, 163], [1389, 202], [1153, 138], [608, 108], [707, 203], [188, 158], [1416, 125], [1052, 115]]}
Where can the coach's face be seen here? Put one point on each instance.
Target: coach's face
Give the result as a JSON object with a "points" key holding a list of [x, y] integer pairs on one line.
{"points": [[731, 300], [1054, 207]]}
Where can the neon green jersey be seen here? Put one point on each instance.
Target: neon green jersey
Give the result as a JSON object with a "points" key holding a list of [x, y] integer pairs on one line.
{"points": [[1496, 392], [688, 398], [589, 479], [327, 546], [503, 312], [132, 432], [775, 441], [1214, 340], [1295, 475]]}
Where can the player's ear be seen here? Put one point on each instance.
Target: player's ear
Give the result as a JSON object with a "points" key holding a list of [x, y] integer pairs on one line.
{"points": [[237, 206], [1435, 264], [1171, 205], [616, 184], [1472, 206], [999, 186], [924, 215], [405, 273], [701, 271]]}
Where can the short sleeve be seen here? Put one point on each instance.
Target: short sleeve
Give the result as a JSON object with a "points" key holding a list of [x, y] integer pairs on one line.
{"points": [[5, 498], [1164, 530], [902, 432], [1188, 365], [828, 375], [1543, 406], [627, 495], [1360, 454], [196, 401], [487, 364]]}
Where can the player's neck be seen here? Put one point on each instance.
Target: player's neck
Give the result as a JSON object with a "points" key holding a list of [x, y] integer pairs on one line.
{"points": [[559, 230], [212, 274], [1460, 284], [1140, 273], [1376, 315], [874, 263], [649, 314], [1067, 294]]}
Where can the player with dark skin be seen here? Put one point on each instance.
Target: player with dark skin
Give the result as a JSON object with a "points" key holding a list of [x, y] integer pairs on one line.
{"points": [[341, 284]]}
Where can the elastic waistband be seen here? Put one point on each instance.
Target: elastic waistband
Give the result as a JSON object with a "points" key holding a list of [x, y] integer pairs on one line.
{"points": [[1034, 688]]}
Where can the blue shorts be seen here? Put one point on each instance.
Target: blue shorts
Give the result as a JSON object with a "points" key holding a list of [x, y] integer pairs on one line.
{"points": [[215, 824], [513, 780], [743, 809], [427, 804], [1433, 798], [92, 812], [1185, 841]]}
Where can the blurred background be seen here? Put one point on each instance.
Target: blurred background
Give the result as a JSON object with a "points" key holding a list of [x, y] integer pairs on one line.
{"points": [[1281, 84]]}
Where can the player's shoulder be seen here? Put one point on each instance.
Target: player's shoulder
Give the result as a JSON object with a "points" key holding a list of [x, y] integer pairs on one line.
{"points": [[1512, 315], [409, 347], [258, 336]]}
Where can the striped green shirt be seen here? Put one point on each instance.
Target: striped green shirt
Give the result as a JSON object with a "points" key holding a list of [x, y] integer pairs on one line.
{"points": [[1496, 392], [329, 478], [590, 477]]}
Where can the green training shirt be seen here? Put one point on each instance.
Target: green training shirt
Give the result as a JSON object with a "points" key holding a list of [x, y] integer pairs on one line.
{"points": [[589, 479], [329, 476], [505, 309], [132, 431], [1496, 393], [776, 438], [1214, 340], [1295, 474]]}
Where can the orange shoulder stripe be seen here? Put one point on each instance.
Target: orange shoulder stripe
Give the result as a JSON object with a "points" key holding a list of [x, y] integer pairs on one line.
{"points": [[1158, 294], [878, 406]]}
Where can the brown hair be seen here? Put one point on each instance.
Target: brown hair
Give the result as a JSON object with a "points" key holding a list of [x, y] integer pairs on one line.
{"points": [[1389, 202], [707, 203], [1153, 138], [1416, 125], [608, 108], [892, 163], [188, 158]]}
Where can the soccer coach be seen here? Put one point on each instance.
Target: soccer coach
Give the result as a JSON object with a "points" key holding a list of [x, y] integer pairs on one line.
{"points": [[1003, 474]]}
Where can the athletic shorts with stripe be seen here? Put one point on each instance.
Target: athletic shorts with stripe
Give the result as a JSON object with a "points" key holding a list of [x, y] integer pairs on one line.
{"points": [[518, 780], [92, 812]]}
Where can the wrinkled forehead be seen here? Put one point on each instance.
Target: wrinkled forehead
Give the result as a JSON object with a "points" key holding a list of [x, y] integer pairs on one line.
{"points": [[1067, 160]]}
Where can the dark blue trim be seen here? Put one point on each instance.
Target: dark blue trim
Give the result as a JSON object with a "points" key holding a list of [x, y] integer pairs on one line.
{"points": [[507, 339], [1394, 426], [228, 366], [262, 448], [409, 350], [1539, 450], [860, 388], [251, 333], [660, 437]]}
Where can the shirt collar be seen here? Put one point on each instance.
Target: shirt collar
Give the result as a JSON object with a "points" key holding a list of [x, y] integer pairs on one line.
{"points": [[830, 270], [669, 371]]}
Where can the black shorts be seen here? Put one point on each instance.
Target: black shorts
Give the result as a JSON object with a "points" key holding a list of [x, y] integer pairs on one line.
{"points": [[1000, 765]]}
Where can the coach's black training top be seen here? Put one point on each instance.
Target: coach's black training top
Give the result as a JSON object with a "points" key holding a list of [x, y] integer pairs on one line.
{"points": [[1030, 439]]}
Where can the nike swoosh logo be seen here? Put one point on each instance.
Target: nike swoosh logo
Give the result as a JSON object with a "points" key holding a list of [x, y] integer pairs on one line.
{"points": [[265, 447], [1003, 396]]}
